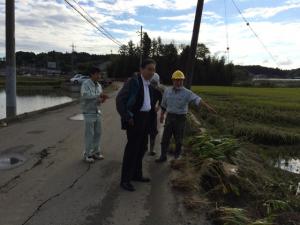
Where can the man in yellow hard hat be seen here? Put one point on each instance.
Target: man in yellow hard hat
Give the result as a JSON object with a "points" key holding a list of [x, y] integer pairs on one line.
{"points": [[175, 103]]}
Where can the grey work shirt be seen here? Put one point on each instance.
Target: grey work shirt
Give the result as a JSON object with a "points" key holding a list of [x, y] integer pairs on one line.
{"points": [[90, 97], [177, 101]]}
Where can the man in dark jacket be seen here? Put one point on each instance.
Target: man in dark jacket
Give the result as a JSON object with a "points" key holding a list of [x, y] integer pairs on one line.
{"points": [[134, 106], [157, 98]]}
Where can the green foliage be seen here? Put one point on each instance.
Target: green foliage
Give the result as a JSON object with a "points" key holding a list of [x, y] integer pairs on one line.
{"points": [[262, 222], [204, 146], [268, 72], [276, 206], [63, 60], [261, 115], [146, 45], [230, 216], [266, 135], [268, 116], [34, 81], [208, 69]]}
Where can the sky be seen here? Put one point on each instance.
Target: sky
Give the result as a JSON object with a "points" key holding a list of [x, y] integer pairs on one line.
{"points": [[46, 25]]}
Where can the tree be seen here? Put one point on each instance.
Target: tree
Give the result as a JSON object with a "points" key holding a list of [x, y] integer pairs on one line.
{"points": [[131, 49], [168, 61], [202, 51], [123, 50], [208, 70], [154, 48], [159, 46], [146, 45]]}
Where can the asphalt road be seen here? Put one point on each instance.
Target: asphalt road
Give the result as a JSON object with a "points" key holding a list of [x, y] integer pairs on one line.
{"points": [[55, 187]]}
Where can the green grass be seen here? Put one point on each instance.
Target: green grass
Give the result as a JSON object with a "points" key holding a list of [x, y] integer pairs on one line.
{"points": [[35, 81], [262, 115], [265, 123]]}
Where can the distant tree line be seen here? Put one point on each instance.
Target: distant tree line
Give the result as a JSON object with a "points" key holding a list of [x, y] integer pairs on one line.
{"points": [[260, 70], [209, 70], [82, 61]]}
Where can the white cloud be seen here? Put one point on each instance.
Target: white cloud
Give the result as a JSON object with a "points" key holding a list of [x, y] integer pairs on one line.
{"points": [[280, 39], [45, 25], [267, 12], [191, 16], [129, 21]]}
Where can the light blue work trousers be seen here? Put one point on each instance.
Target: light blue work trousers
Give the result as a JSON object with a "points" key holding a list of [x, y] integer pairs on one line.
{"points": [[92, 133]]}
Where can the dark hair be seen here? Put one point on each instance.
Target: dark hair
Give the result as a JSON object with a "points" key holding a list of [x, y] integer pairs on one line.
{"points": [[147, 62], [94, 70]]}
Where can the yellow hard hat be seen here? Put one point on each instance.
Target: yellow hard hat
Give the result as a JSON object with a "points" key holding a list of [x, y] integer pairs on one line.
{"points": [[178, 75]]}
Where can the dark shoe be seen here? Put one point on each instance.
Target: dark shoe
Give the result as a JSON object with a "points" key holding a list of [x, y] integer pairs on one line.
{"points": [[176, 156], [152, 153], [127, 186], [161, 159], [142, 179]]}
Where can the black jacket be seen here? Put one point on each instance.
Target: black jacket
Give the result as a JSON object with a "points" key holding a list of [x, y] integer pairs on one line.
{"points": [[130, 99]]}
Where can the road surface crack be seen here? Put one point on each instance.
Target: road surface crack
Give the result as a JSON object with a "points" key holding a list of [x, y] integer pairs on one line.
{"points": [[9, 185], [56, 195]]}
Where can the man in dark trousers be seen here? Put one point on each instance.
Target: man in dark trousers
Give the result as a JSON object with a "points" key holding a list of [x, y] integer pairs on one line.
{"points": [[134, 106], [157, 98]]}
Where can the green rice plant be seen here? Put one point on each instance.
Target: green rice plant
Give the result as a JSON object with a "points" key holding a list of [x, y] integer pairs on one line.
{"points": [[275, 206], [266, 135]]}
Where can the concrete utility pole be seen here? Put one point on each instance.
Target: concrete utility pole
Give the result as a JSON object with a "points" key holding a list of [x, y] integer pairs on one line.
{"points": [[191, 59], [72, 56], [141, 50], [11, 91]]}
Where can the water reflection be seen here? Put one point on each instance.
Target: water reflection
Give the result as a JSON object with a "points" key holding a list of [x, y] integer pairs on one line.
{"points": [[286, 158], [32, 100], [291, 165]]}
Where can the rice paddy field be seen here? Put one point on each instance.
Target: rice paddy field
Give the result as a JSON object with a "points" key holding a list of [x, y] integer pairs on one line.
{"points": [[261, 115], [246, 166]]}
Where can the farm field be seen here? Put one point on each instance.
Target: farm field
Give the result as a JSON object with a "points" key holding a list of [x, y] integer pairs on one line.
{"points": [[246, 166], [261, 115]]}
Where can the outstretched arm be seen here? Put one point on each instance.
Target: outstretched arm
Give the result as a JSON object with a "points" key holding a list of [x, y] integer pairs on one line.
{"points": [[208, 107], [163, 107]]}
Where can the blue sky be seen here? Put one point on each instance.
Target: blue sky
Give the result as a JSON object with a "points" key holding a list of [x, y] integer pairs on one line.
{"points": [[45, 25]]}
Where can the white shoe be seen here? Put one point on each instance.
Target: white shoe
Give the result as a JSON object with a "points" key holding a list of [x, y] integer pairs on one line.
{"points": [[98, 156], [89, 159]]}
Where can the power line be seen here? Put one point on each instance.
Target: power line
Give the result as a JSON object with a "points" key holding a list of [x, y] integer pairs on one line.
{"points": [[93, 19], [255, 34], [90, 22], [226, 29]]}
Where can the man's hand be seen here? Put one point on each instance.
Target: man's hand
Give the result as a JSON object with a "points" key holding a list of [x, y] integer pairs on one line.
{"points": [[103, 98], [131, 122], [162, 118], [211, 109], [157, 108]]}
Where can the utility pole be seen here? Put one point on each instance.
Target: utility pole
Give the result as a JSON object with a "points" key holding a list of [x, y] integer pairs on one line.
{"points": [[141, 46], [191, 59], [72, 57], [11, 92]]}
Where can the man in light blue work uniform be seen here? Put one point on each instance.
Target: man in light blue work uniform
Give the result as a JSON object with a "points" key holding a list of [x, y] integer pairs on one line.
{"points": [[91, 98], [175, 103]]}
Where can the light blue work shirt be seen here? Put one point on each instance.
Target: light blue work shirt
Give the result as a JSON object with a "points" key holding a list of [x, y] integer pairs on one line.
{"points": [[90, 97], [177, 101]]}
